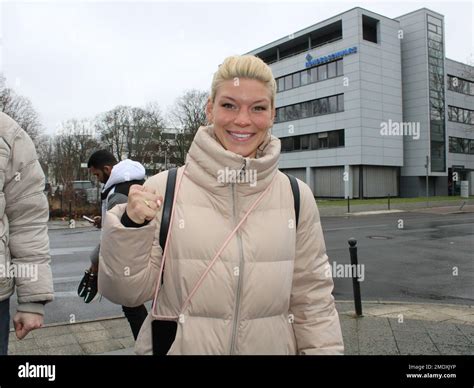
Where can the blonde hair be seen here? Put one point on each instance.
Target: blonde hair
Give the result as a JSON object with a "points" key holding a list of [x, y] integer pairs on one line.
{"points": [[244, 66]]}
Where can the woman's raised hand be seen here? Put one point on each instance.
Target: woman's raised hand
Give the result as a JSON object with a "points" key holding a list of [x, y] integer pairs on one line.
{"points": [[143, 203]]}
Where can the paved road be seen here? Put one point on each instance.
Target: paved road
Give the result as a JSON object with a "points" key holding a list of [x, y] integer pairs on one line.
{"points": [[70, 249], [415, 264]]}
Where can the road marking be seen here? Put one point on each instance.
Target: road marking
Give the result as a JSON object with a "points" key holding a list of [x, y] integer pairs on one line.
{"points": [[65, 294], [69, 251], [448, 226], [356, 227], [67, 279]]}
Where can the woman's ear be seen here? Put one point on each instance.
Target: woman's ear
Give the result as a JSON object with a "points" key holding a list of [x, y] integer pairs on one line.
{"points": [[209, 115]]}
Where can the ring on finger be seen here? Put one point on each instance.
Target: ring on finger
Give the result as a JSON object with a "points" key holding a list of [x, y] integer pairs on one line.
{"points": [[147, 203]]}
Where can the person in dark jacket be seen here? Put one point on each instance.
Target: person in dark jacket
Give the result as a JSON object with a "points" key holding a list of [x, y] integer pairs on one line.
{"points": [[117, 179]]}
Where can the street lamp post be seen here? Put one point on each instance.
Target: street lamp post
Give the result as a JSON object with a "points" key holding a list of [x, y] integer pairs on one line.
{"points": [[427, 177]]}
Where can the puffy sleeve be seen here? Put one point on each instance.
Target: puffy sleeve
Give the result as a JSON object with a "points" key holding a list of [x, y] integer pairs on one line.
{"points": [[130, 258], [316, 321]]}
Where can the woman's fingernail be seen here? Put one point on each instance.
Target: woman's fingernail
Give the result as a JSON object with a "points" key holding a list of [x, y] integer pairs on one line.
{"points": [[158, 202]]}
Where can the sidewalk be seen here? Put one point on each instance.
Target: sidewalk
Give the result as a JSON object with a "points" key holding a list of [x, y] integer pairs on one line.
{"points": [[436, 207], [60, 224], [386, 328]]}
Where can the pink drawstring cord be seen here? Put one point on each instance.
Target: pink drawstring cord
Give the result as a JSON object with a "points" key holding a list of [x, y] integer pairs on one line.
{"points": [[201, 279]]}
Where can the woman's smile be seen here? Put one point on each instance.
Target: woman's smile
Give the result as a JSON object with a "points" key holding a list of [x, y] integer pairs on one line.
{"points": [[240, 137]]}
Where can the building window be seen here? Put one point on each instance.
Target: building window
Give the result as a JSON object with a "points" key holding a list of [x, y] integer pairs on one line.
{"points": [[304, 142], [314, 74], [460, 115], [332, 69], [325, 105], [460, 145], [291, 112], [340, 102], [326, 34], [342, 140], [296, 80], [314, 141], [280, 115], [433, 20], [333, 139], [281, 84], [460, 85], [317, 107], [333, 104], [435, 61], [323, 139], [306, 109], [322, 72], [307, 76], [287, 144], [340, 67], [296, 143], [437, 94], [452, 144], [369, 28]]}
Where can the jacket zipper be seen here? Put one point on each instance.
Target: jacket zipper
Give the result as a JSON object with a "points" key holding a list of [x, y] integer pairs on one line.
{"points": [[241, 264]]}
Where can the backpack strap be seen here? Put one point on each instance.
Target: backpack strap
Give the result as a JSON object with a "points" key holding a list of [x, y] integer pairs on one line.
{"points": [[167, 206], [296, 195]]}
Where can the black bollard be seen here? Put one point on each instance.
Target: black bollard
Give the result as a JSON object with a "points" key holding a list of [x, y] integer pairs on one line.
{"points": [[355, 279], [348, 205], [388, 201], [70, 210]]}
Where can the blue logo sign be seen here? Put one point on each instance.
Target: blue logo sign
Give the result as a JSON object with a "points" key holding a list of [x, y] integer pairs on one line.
{"points": [[310, 62]]}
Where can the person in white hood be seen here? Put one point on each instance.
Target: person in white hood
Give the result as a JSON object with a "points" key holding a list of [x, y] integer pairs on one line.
{"points": [[117, 179]]}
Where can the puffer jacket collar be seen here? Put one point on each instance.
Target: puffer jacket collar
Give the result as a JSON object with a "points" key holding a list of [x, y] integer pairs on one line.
{"points": [[211, 166]]}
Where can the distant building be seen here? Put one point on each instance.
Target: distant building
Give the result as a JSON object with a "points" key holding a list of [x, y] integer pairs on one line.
{"points": [[364, 101]]}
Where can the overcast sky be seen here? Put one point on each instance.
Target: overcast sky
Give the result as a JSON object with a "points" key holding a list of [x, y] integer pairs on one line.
{"points": [[78, 59]]}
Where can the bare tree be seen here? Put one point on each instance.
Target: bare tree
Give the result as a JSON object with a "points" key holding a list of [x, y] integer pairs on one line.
{"points": [[187, 115], [20, 109], [72, 146], [145, 134], [112, 127], [45, 151], [131, 132]]}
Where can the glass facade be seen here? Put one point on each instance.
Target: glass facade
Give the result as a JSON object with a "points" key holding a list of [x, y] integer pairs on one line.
{"points": [[437, 94], [321, 106], [309, 76], [460, 85], [460, 145], [460, 115], [313, 141]]}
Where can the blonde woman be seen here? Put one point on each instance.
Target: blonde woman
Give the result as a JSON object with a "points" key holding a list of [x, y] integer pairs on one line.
{"points": [[240, 277]]}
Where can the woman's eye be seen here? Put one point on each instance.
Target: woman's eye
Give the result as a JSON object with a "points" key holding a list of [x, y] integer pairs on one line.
{"points": [[260, 108], [227, 105]]}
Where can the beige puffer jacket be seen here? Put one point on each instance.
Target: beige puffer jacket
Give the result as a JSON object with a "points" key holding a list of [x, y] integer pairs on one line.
{"points": [[24, 213], [268, 293]]}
